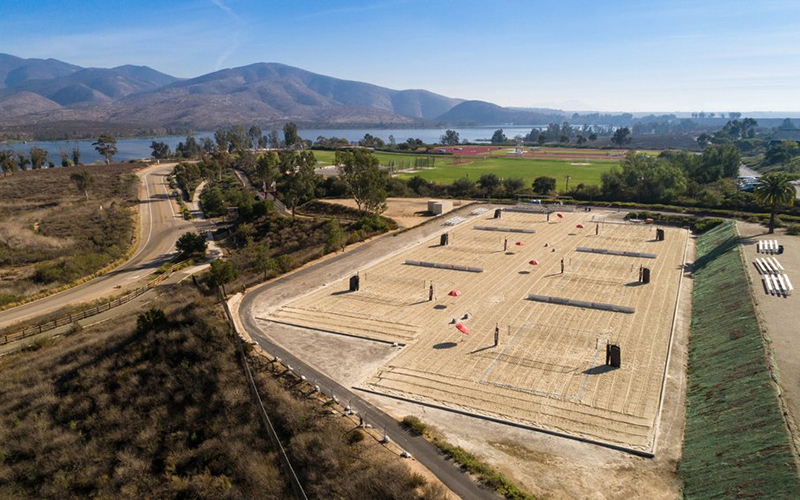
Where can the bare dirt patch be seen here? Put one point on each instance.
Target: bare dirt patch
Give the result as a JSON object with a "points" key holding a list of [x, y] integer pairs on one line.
{"points": [[407, 212]]}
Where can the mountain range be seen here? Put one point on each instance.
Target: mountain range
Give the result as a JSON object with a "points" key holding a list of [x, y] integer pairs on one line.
{"points": [[47, 94]]}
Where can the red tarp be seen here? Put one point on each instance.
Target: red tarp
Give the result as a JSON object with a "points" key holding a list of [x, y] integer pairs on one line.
{"points": [[520, 243], [533, 262], [579, 226], [462, 328], [560, 215], [454, 293]]}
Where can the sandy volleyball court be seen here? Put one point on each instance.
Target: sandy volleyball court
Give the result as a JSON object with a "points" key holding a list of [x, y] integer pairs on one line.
{"points": [[548, 370]]}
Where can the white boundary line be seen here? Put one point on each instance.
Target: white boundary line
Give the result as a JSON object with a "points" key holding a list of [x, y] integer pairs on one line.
{"points": [[150, 214], [169, 201]]}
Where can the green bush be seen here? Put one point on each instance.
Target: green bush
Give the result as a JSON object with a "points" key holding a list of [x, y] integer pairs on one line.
{"points": [[8, 298], [49, 273], [285, 263], [793, 230], [371, 223], [703, 225], [150, 320], [698, 225], [414, 424], [484, 472], [192, 244], [221, 272]]}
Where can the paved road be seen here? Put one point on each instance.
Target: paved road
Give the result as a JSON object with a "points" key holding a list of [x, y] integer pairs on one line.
{"points": [[423, 451], [279, 290], [160, 225], [747, 172]]}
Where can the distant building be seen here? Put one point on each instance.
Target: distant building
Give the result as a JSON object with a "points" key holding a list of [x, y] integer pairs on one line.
{"points": [[783, 134]]}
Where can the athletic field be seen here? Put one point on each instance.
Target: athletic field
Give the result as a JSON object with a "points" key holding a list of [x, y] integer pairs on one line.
{"points": [[528, 169], [548, 369]]}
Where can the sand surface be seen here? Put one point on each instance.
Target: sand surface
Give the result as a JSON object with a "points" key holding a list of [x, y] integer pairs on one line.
{"points": [[407, 212], [548, 370]]}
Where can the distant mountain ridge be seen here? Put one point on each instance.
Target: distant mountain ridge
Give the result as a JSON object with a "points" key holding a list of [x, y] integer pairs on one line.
{"points": [[39, 93], [470, 113]]}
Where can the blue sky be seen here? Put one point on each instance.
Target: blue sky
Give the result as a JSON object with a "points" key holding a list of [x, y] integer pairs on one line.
{"points": [[608, 55]]}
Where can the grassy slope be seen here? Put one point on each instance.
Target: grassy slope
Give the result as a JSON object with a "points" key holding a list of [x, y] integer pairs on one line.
{"points": [[51, 235], [165, 413], [111, 413], [736, 442]]}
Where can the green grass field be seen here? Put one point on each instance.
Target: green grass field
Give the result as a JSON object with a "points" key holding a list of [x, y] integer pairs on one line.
{"points": [[736, 444], [445, 171], [399, 159], [527, 169]]}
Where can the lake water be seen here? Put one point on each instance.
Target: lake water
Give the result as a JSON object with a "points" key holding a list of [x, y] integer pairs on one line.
{"points": [[137, 148]]}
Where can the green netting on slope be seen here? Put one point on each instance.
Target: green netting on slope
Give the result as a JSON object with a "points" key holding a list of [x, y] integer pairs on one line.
{"points": [[736, 443]]}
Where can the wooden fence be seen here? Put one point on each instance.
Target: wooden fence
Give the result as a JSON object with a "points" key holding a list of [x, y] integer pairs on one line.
{"points": [[68, 319]]}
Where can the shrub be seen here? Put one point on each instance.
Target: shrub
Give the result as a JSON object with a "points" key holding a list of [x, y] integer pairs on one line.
{"points": [[698, 225], [8, 298], [150, 320], [793, 230], [355, 437], [335, 238], [416, 480], [544, 184], [221, 272], [192, 244], [371, 223], [414, 424], [74, 328], [49, 273], [703, 225], [285, 263]]}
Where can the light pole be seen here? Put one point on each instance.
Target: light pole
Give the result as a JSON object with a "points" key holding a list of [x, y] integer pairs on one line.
{"points": [[639, 190]]}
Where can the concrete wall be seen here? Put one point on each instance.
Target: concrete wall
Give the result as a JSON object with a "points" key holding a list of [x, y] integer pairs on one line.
{"points": [[439, 207]]}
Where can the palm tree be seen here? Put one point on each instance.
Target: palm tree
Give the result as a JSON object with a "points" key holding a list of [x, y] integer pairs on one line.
{"points": [[775, 190]]}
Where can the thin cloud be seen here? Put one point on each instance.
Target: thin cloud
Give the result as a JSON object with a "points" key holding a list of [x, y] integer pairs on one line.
{"points": [[228, 52], [236, 34], [226, 9]]}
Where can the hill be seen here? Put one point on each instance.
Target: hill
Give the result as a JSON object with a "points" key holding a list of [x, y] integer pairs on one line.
{"points": [[97, 85], [470, 113], [51, 235], [158, 407], [15, 71], [48, 98], [272, 93]]}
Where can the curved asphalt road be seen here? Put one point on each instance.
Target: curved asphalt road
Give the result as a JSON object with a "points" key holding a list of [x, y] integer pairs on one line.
{"points": [[160, 224], [424, 452]]}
